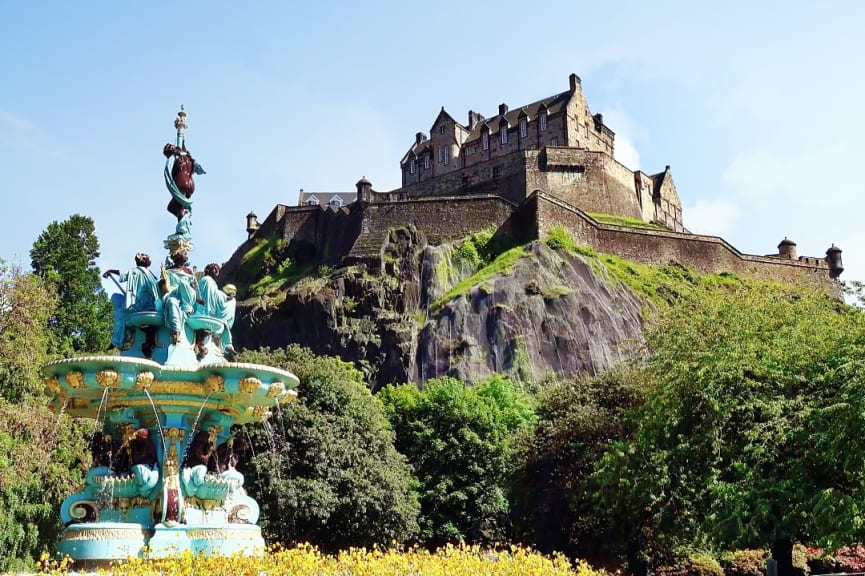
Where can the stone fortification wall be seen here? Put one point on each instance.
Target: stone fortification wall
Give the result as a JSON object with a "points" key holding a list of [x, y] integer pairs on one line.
{"points": [[706, 254], [591, 180], [439, 218], [319, 233]]}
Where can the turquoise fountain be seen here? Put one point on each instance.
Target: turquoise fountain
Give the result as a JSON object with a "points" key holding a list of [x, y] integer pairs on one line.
{"points": [[163, 479]]}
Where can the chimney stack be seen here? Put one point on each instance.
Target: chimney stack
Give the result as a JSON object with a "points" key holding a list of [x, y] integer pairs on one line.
{"points": [[503, 109], [574, 82]]}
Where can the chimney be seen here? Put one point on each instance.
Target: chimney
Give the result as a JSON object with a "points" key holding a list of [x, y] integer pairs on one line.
{"points": [[419, 137], [599, 119], [364, 190], [574, 82], [475, 118], [252, 224], [503, 109]]}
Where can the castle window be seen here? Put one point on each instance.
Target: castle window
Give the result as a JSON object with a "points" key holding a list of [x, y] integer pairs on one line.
{"points": [[524, 127], [554, 142], [544, 121], [442, 129], [426, 161], [485, 140], [442, 155], [504, 132], [412, 167], [497, 172], [447, 151]]}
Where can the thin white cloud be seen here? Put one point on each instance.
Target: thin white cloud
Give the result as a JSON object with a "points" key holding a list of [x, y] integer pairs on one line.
{"points": [[626, 131], [710, 216]]}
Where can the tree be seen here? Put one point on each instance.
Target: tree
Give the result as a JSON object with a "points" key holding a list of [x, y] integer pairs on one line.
{"points": [[326, 470], [64, 255], [760, 397], [40, 453], [578, 420], [25, 307], [460, 441]]}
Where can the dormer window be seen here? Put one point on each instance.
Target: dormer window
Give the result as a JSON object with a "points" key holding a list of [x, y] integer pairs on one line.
{"points": [[335, 201], [543, 121], [485, 139], [312, 201], [503, 130], [524, 127], [412, 166]]}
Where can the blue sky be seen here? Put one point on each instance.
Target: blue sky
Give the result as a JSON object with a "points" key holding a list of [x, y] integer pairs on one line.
{"points": [[757, 106]]}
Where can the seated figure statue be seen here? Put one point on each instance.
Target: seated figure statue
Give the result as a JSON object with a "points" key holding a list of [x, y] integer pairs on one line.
{"points": [[218, 304], [178, 301], [140, 295]]}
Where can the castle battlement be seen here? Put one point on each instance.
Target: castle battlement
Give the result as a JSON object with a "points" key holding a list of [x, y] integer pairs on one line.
{"points": [[523, 170]]}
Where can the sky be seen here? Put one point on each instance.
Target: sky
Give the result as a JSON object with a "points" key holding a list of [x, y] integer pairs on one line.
{"points": [[756, 106]]}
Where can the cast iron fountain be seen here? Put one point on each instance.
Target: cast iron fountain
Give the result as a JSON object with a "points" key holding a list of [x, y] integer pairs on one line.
{"points": [[164, 478]]}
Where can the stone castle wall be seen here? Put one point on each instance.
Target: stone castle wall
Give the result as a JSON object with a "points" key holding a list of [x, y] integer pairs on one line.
{"points": [[706, 254]]}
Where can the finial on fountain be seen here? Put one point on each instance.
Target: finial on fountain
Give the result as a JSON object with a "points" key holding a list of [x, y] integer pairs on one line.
{"points": [[180, 125]]}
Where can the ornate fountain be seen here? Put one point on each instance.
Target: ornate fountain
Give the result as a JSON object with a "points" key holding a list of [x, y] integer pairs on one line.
{"points": [[163, 478]]}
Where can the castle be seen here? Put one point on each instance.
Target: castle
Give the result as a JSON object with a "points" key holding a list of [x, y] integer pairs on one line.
{"points": [[525, 170]]}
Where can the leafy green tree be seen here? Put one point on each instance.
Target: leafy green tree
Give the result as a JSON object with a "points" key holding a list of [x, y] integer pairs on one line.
{"points": [[326, 470], [25, 307], [578, 420], [460, 441], [65, 255], [43, 458], [753, 436], [41, 454]]}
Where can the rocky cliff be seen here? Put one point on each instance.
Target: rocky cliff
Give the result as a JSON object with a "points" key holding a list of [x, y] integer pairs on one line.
{"points": [[465, 309]]}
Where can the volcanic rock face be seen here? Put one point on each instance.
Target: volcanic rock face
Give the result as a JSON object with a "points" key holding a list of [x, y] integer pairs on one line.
{"points": [[548, 312]]}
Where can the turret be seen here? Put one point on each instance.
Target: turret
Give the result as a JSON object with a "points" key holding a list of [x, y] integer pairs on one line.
{"points": [[252, 224], [787, 249], [364, 190], [833, 258]]}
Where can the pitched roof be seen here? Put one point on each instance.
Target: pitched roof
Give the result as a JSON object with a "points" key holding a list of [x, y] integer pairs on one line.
{"points": [[325, 197], [553, 104]]}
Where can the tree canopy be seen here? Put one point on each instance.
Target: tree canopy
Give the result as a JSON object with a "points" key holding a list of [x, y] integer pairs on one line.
{"points": [[64, 256], [326, 470], [459, 440]]}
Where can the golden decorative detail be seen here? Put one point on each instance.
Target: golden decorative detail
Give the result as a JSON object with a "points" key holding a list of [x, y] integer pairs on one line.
{"points": [[249, 385], [53, 384], [143, 380], [108, 378], [276, 388], [214, 432], [145, 403], [289, 396], [80, 403], [219, 534], [136, 534], [178, 387], [202, 503], [214, 383], [174, 434], [75, 378], [259, 412]]}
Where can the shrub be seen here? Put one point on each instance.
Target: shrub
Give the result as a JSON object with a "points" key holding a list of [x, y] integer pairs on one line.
{"points": [[851, 558], [748, 562], [820, 562], [698, 564], [800, 561]]}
